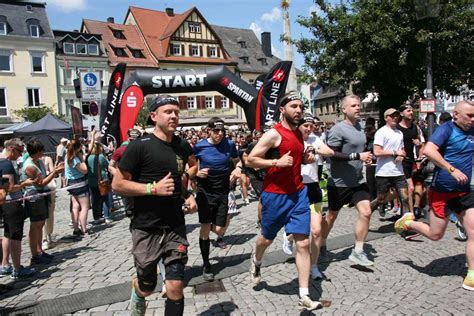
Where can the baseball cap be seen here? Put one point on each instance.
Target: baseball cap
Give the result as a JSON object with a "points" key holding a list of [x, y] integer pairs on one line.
{"points": [[216, 123], [133, 133], [390, 112], [64, 140], [403, 107]]}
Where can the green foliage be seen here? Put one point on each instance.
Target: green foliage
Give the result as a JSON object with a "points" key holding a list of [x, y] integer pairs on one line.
{"points": [[35, 113], [379, 46], [143, 115]]}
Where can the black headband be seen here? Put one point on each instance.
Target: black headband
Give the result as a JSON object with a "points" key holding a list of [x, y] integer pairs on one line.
{"points": [[287, 99], [162, 100]]}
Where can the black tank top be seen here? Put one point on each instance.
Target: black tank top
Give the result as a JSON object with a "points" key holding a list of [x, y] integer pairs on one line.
{"points": [[409, 134]]}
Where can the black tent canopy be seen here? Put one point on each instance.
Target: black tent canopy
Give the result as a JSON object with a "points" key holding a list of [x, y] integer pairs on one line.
{"points": [[48, 130]]}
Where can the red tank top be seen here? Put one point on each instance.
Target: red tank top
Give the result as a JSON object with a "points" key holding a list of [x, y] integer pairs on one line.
{"points": [[286, 180]]}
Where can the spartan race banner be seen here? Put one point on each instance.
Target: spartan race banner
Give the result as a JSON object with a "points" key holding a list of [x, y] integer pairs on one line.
{"points": [[109, 112], [143, 82]]}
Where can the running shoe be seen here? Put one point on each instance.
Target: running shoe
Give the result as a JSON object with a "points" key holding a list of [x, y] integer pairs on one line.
{"points": [[401, 224], [137, 304], [468, 284], [45, 245], [315, 274], [255, 274], [360, 258], [306, 303], [22, 272], [108, 221], [6, 270], [287, 244], [382, 211], [46, 255], [220, 243], [39, 259], [246, 201], [207, 274], [409, 235], [461, 231]]}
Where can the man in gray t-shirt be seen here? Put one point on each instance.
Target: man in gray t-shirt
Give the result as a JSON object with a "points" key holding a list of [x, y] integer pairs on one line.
{"points": [[347, 184]]}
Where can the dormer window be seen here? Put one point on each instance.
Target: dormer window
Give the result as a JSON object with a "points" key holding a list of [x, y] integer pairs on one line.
{"points": [[263, 60], [245, 59], [194, 27], [81, 49], [29, 8], [243, 44], [3, 28], [68, 48], [212, 51], [34, 30], [176, 49], [93, 49], [137, 53], [118, 34], [120, 52]]}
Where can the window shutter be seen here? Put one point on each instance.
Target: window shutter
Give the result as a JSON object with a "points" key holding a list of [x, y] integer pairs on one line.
{"points": [[182, 102], [203, 102], [200, 51], [217, 101], [171, 49], [208, 51], [231, 104], [182, 49], [218, 52], [190, 50]]}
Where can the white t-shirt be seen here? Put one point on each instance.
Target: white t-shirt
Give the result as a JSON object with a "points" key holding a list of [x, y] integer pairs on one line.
{"points": [[389, 139], [310, 171]]}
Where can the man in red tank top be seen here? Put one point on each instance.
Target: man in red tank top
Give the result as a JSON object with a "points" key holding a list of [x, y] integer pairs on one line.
{"points": [[284, 199]]}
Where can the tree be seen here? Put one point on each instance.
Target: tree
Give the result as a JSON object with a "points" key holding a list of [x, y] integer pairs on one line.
{"points": [[143, 115], [379, 46], [35, 113]]}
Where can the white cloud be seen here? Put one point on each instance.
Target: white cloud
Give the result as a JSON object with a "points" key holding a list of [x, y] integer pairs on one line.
{"points": [[276, 52], [272, 16], [69, 5], [256, 29]]}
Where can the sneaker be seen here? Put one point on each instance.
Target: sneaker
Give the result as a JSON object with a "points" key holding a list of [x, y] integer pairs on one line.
{"points": [[39, 259], [394, 211], [315, 274], [45, 245], [418, 212], [360, 258], [461, 231], [22, 272], [287, 244], [78, 233], [246, 201], [108, 221], [252, 194], [46, 255], [382, 211], [306, 303], [409, 235], [207, 274], [468, 284], [71, 224], [400, 224], [6, 270], [137, 307], [255, 274], [220, 243]]}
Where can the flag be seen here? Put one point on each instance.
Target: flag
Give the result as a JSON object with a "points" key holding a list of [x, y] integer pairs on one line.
{"points": [[66, 63]]}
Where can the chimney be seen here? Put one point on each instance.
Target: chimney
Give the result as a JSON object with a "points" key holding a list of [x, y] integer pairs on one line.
{"points": [[169, 11], [267, 44], [110, 19]]}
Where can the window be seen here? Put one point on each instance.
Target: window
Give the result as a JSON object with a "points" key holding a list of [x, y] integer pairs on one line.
{"points": [[118, 34], [245, 59], [194, 27], [33, 97], [101, 74], [34, 30], [6, 61], [224, 103], [212, 51], [137, 53], [120, 52], [3, 102], [93, 49], [191, 103], [3, 28], [243, 44], [37, 62], [68, 103], [68, 48], [81, 48], [176, 49], [194, 50], [67, 77], [85, 108], [209, 102], [29, 8]]}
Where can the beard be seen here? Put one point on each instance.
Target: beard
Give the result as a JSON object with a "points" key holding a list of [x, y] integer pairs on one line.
{"points": [[291, 120]]}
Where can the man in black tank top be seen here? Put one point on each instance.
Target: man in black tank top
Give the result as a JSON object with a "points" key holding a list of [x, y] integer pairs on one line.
{"points": [[412, 141]]}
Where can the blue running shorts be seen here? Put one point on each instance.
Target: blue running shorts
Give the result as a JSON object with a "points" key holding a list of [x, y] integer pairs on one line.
{"points": [[289, 210]]}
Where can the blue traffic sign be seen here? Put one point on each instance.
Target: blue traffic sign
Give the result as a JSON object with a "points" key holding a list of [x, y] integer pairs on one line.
{"points": [[90, 79]]}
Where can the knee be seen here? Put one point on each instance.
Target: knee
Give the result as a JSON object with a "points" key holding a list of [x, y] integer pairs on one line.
{"points": [[174, 289], [436, 236], [316, 232], [302, 244]]}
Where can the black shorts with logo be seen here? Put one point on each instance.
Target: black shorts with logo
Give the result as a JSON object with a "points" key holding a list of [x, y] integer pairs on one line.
{"points": [[149, 246], [385, 183], [339, 196], [212, 208]]}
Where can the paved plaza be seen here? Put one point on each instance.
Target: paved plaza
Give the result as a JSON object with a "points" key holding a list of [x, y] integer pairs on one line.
{"points": [[92, 276]]}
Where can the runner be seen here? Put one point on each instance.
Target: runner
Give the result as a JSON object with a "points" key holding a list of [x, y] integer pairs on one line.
{"points": [[347, 184], [151, 171], [285, 199], [451, 149], [215, 155]]}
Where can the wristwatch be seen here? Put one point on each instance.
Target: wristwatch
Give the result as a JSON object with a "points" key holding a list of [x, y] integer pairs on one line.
{"points": [[451, 169]]}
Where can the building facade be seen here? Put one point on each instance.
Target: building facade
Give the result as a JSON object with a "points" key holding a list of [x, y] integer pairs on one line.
{"points": [[27, 58]]}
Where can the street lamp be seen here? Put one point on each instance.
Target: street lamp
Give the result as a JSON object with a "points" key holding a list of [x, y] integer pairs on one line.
{"points": [[427, 9]]}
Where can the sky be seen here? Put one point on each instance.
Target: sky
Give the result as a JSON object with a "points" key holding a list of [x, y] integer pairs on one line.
{"points": [[258, 15]]}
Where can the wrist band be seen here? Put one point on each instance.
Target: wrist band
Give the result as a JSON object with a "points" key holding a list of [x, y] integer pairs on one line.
{"points": [[153, 188], [274, 162], [354, 156], [148, 188], [394, 154]]}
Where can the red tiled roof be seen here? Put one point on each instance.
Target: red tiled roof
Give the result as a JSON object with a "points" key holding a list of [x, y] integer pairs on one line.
{"points": [[132, 39], [157, 28]]}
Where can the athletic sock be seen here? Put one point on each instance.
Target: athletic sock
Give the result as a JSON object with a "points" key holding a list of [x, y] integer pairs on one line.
{"points": [[359, 246], [257, 263], [173, 307], [470, 273], [204, 245], [135, 297], [304, 291]]}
